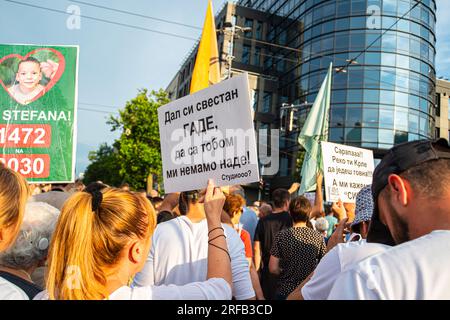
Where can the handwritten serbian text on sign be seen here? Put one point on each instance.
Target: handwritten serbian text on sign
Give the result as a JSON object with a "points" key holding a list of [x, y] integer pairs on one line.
{"points": [[209, 135], [346, 170]]}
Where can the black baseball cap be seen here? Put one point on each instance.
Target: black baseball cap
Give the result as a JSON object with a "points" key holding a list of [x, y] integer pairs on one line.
{"points": [[399, 159]]}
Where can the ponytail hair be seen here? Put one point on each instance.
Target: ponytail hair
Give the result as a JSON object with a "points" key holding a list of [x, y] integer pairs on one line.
{"points": [[14, 194], [87, 243]]}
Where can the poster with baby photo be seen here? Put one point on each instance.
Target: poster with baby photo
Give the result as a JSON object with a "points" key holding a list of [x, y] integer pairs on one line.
{"points": [[38, 98]]}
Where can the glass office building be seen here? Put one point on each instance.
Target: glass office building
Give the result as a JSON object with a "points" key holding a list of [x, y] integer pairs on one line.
{"points": [[383, 52]]}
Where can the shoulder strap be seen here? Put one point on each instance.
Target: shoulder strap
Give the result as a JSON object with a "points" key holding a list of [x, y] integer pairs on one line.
{"points": [[30, 289]]}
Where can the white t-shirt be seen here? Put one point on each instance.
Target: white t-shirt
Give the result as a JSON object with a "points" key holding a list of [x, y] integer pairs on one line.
{"points": [[179, 256], [337, 260], [212, 289], [414, 270], [9, 291], [313, 223]]}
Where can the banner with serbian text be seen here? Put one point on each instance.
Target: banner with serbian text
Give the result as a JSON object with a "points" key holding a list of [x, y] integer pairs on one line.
{"points": [[209, 134], [38, 111], [346, 171]]}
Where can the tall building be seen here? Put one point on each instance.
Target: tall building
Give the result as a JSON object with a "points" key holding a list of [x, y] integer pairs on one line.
{"points": [[443, 109], [383, 53]]}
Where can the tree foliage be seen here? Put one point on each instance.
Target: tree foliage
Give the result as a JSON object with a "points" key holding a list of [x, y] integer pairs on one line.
{"points": [[138, 151], [104, 164]]}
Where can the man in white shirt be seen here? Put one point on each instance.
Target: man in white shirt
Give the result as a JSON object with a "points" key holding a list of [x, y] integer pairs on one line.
{"points": [[343, 255], [411, 193], [180, 248]]}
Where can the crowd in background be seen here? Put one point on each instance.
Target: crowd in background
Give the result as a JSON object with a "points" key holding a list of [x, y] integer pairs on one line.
{"points": [[99, 242]]}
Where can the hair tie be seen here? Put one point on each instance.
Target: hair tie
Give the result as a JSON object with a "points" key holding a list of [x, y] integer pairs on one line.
{"points": [[97, 197]]}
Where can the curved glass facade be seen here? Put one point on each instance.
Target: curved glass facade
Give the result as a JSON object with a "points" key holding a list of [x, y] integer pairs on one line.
{"points": [[387, 93]]}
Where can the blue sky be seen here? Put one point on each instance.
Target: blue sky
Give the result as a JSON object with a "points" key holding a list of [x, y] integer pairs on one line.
{"points": [[116, 61]]}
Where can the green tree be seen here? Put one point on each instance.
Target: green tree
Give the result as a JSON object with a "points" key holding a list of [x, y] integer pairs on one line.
{"points": [[139, 150], [104, 166]]}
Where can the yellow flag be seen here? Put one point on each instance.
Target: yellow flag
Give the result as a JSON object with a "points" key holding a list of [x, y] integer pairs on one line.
{"points": [[207, 67]]}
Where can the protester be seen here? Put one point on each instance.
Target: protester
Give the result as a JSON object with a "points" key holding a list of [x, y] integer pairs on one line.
{"points": [[255, 209], [411, 193], [58, 188], [125, 186], [350, 211], [249, 219], [13, 197], [233, 207], [363, 214], [103, 237], [322, 227], [179, 249], [75, 187], [340, 255], [266, 231], [156, 202], [166, 209], [339, 211], [332, 220], [317, 209], [297, 250], [34, 188], [29, 252], [46, 188], [264, 210], [153, 193], [54, 198]]}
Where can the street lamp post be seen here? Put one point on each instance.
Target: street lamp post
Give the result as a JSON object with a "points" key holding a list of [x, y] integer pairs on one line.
{"points": [[234, 32]]}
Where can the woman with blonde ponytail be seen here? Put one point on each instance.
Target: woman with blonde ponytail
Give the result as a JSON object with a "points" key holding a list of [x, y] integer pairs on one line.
{"points": [[102, 240], [14, 194]]}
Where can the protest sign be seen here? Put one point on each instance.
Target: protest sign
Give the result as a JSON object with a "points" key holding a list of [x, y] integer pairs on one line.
{"points": [[346, 171], [38, 111], [311, 196], [209, 134]]}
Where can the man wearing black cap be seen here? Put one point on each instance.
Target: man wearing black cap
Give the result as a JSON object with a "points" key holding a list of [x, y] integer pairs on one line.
{"points": [[411, 190]]}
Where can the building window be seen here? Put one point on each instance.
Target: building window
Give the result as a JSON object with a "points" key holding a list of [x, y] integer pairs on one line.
{"points": [[268, 62], [438, 105], [449, 109], [267, 102], [258, 30], [281, 63], [264, 126], [248, 24], [282, 37], [246, 54], [255, 99], [257, 57]]}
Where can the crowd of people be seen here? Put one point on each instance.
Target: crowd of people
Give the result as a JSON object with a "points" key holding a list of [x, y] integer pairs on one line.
{"points": [[72, 242]]}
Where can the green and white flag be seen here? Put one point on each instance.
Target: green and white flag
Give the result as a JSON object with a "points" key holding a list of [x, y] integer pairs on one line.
{"points": [[315, 130]]}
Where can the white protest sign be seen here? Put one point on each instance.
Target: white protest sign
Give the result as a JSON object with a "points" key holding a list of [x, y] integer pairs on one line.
{"points": [[346, 171], [209, 134]]}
